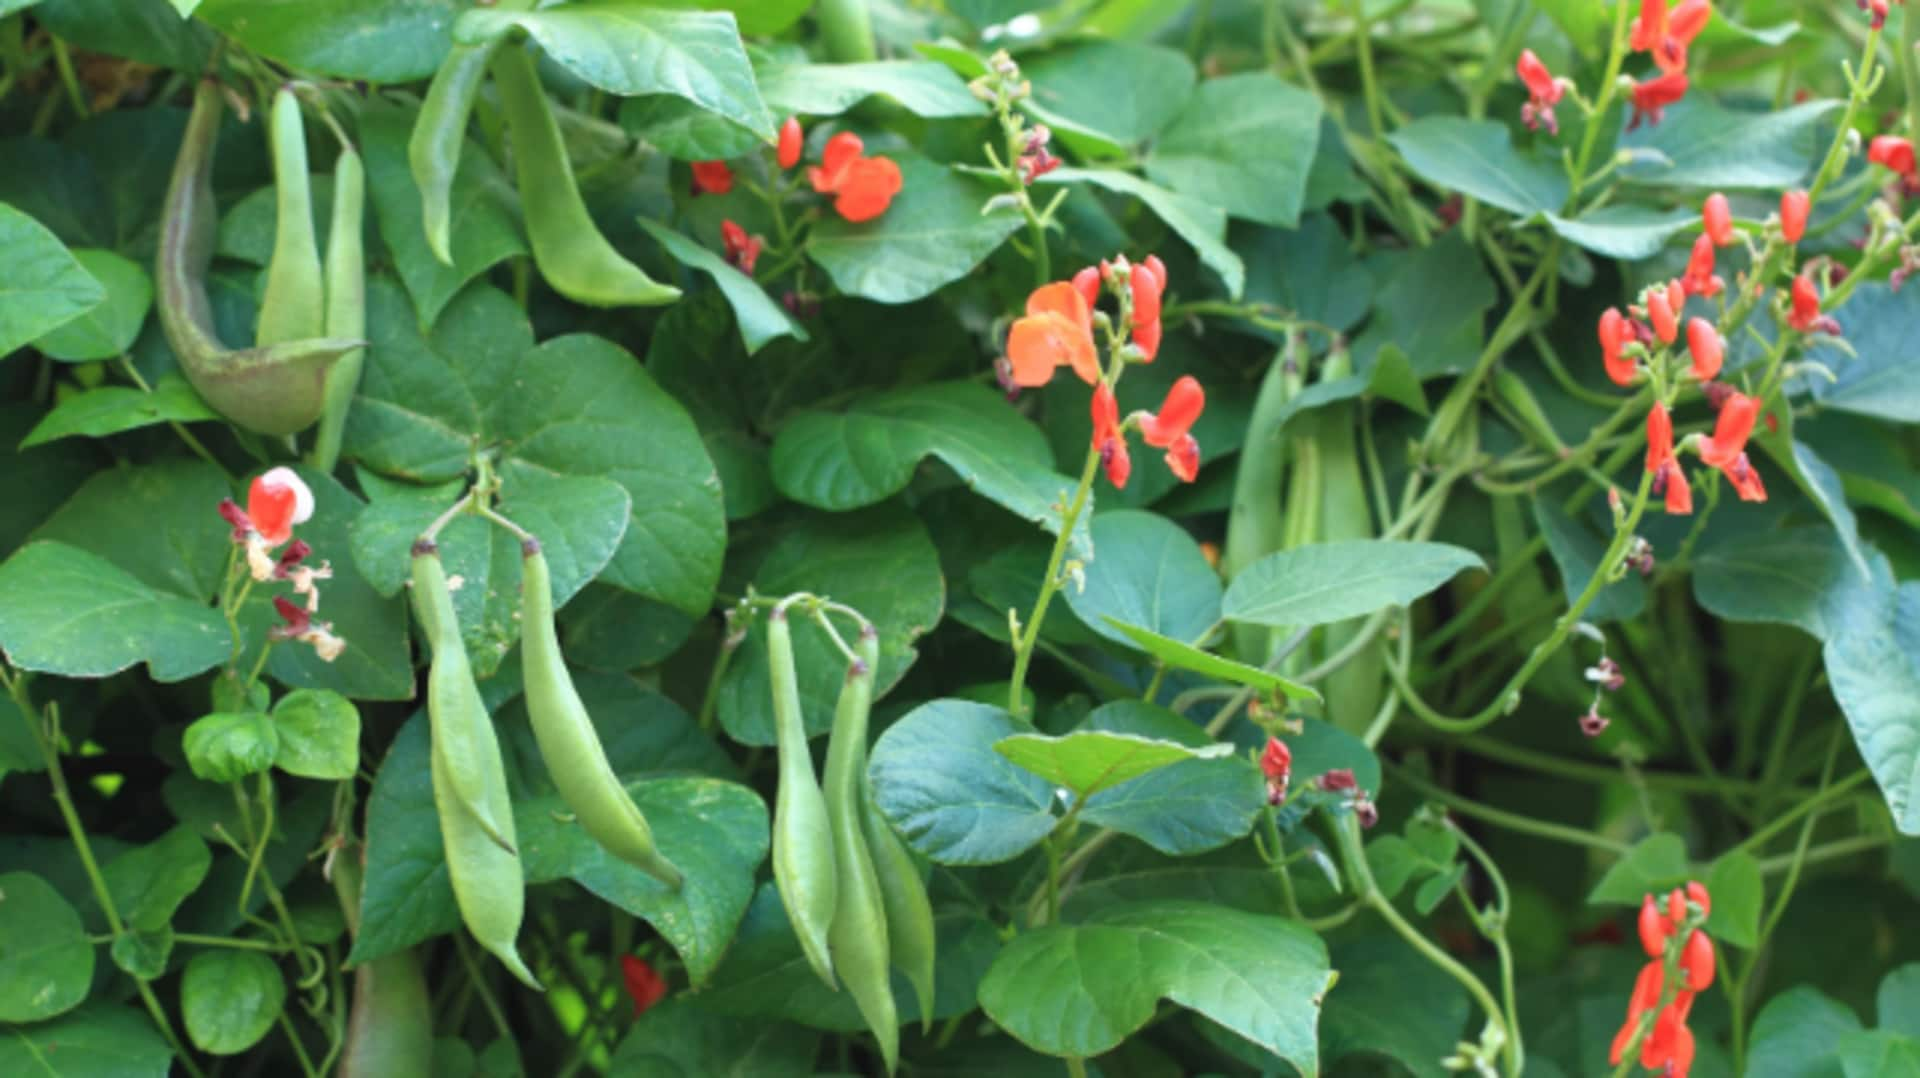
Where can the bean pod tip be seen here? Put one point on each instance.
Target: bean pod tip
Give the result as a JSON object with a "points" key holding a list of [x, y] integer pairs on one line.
{"points": [[424, 546]]}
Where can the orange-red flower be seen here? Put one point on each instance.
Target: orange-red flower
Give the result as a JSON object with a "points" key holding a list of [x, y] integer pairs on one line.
{"points": [[1108, 439], [1276, 763], [741, 250], [1670, 478], [1668, 1045], [1716, 217], [1615, 332], [1731, 431], [1745, 479], [1652, 96], [1894, 152], [1703, 342], [1666, 34], [644, 985], [1168, 428], [712, 178], [1057, 330], [1699, 279], [1806, 316], [276, 501], [792, 141], [863, 187], [1543, 92], [1662, 311], [1793, 215], [1146, 282], [1659, 450]]}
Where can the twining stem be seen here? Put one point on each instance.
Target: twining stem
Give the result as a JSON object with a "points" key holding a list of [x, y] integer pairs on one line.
{"points": [[1511, 821], [1030, 632]]}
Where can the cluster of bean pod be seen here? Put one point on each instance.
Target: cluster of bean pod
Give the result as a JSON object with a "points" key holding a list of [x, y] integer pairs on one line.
{"points": [[850, 887]]}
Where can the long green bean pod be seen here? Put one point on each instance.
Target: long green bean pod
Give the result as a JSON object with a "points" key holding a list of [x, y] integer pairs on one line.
{"points": [[390, 1026], [433, 149], [346, 274], [469, 780], [1354, 691], [568, 741], [573, 256], [293, 305], [858, 937], [910, 931], [272, 389], [1255, 524], [803, 864]]}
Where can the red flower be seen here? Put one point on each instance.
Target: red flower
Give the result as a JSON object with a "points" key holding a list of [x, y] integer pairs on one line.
{"points": [[1669, 477], [1661, 310], [1703, 341], [1668, 1045], [1168, 428], [1793, 215], [1108, 439], [1892, 152], [1699, 279], [863, 187], [1806, 316], [276, 501], [1615, 332], [742, 250], [1652, 96], [1146, 281], [1650, 28], [1730, 431], [1659, 437], [712, 178], [1543, 92], [1716, 217], [1745, 479], [792, 141], [1665, 34], [643, 983], [1276, 763], [1057, 330], [1087, 283]]}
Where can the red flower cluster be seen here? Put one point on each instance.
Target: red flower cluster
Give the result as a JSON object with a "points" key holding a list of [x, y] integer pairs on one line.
{"points": [[1543, 92], [277, 500], [1168, 429], [862, 187], [1668, 1046], [1665, 36]]}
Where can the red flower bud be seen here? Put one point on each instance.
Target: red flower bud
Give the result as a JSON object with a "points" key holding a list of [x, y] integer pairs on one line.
{"points": [[1731, 430], [1716, 217], [1660, 311], [1793, 215], [1892, 151], [792, 141], [1696, 961], [712, 178], [1703, 341], [1614, 332]]}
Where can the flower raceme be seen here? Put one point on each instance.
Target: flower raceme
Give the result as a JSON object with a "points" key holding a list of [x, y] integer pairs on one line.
{"points": [[277, 501], [863, 187], [1667, 1045]]}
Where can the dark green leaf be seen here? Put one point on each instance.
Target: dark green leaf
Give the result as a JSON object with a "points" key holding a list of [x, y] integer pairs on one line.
{"points": [[1120, 92], [1577, 550], [1800, 577], [143, 954], [150, 882], [46, 962], [229, 746], [1879, 1054], [1873, 663], [1628, 232], [1477, 159], [319, 735], [1146, 571], [1700, 144], [1202, 225], [1796, 1034], [103, 1040], [106, 330], [933, 234], [1367, 1011], [1244, 143], [1876, 375], [159, 522], [760, 319], [97, 413], [680, 1037], [1655, 864], [684, 131], [71, 613], [1328, 582], [1738, 894], [937, 778], [230, 999], [349, 39], [149, 31], [1182, 656], [1898, 1001], [922, 87], [1186, 808], [1087, 762], [46, 287]]}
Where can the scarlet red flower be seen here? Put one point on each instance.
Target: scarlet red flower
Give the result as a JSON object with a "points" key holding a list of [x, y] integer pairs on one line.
{"points": [[1652, 96], [1661, 312], [1745, 479], [1650, 28], [1108, 439], [792, 141], [1087, 283], [643, 983], [1659, 438], [1730, 431], [1878, 9], [1697, 962], [276, 501], [1543, 92], [1703, 341], [1672, 481], [742, 250], [1276, 763], [1806, 316], [712, 178], [1168, 428], [863, 187], [1614, 335], [1057, 329], [1716, 217], [1894, 152], [1668, 1045], [1146, 285], [1699, 279], [1793, 215], [1665, 35]]}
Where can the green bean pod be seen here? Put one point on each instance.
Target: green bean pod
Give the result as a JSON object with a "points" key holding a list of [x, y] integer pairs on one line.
{"points": [[568, 741], [346, 271], [390, 1026], [469, 779], [293, 305], [433, 149], [910, 932], [1256, 523], [1353, 692], [803, 864], [272, 389], [846, 29], [573, 256], [858, 937]]}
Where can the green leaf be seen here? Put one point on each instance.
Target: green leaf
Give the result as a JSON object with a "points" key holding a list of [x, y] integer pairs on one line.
{"points": [[1079, 990], [1477, 159], [1876, 375], [1738, 894], [73, 614], [1879, 1054], [319, 735], [229, 746], [1182, 656], [149, 31], [106, 410], [102, 1040], [880, 562], [1629, 232], [143, 954], [922, 87], [1120, 92], [1089, 761], [871, 451], [680, 1036], [1311, 271], [1700, 144], [1577, 550], [1244, 143], [107, 329], [1329, 582], [629, 48], [1796, 1033], [1146, 571], [1431, 303], [1654, 865], [1799, 576], [405, 897], [45, 286], [1367, 1012], [760, 319], [46, 962], [348, 39], [1873, 663], [159, 522], [684, 131], [1187, 807], [483, 229], [230, 999], [1201, 224], [148, 883], [937, 778], [1898, 1001], [933, 234]]}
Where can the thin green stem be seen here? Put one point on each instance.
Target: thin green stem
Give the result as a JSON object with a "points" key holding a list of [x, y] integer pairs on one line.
{"points": [[1501, 818], [1030, 632]]}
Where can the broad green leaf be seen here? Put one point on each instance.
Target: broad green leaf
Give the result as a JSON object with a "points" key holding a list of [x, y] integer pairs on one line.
{"points": [[319, 735], [605, 628], [227, 746], [73, 614], [1203, 226], [46, 962], [684, 131], [922, 87], [681, 1036], [1796, 1033], [1628, 232], [1187, 807], [1146, 571], [761, 17], [760, 319], [45, 286], [1799, 576], [1477, 159], [1699, 144], [1367, 1013], [482, 225], [1577, 549], [933, 234], [1089, 761], [149, 31], [1431, 303], [1328, 582], [937, 778], [230, 999], [1738, 895], [628, 48], [148, 883], [1081, 989], [1118, 91], [880, 562], [159, 522], [1879, 1053], [143, 954], [349, 39], [101, 1040], [1654, 865], [1876, 375], [106, 410], [870, 452], [1898, 1001], [1310, 271], [1873, 663], [405, 896], [1824, 488], [1183, 656], [107, 329], [1244, 143]]}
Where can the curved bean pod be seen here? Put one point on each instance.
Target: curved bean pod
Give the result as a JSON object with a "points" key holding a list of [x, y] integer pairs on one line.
{"points": [[803, 865], [433, 149], [390, 1028], [910, 931], [858, 937], [293, 305], [346, 273]]}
